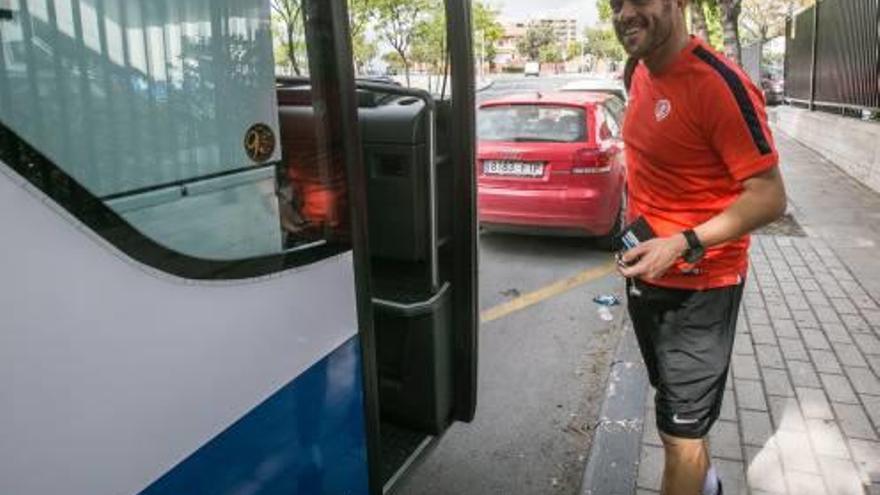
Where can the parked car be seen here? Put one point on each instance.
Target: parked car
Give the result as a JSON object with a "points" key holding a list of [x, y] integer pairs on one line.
{"points": [[532, 69], [599, 85], [774, 90], [552, 164]]}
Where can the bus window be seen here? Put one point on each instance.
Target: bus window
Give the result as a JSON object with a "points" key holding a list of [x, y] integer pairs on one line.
{"points": [[164, 113]]}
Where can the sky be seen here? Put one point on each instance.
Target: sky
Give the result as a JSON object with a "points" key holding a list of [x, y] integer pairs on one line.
{"points": [[582, 10]]}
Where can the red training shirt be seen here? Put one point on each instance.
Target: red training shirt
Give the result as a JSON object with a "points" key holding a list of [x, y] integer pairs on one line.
{"points": [[693, 134]]}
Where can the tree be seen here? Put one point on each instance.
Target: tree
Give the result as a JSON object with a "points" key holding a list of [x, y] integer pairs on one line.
{"points": [[429, 42], [288, 14], [602, 43], [763, 20], [698, 19], [396, 23], [536, 38], [730, 11], [486, 22], [361, 14], [550, 54]]}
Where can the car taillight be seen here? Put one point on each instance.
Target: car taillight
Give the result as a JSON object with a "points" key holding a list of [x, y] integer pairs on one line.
{"points": [[590, 161]]}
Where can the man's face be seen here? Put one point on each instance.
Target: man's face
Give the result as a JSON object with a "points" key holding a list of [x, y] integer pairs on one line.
{"points": [[643, 25]]}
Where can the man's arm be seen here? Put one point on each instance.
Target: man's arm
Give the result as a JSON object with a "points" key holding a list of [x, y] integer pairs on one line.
{"points": [[762, 201]]}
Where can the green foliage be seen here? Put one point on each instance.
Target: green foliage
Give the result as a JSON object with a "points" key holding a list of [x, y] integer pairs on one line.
{"points": [[602, 43], [287, 24], [550, 54], [713, 21], [487, 29], [605, 12], [361, 16], [396, 23], [536, 38], [429, 41]]}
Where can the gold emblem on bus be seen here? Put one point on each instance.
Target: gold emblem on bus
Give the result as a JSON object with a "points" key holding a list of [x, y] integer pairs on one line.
{"points": [[259, 142]]}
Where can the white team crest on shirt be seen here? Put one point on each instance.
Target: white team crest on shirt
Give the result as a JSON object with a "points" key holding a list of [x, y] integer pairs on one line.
{"points": [[662, 109]]}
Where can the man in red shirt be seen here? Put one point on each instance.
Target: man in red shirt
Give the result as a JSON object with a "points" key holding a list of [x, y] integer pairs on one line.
{"points": [[702, 173]]}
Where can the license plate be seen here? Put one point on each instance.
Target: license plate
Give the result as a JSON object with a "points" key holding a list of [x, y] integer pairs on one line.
{"points": [[513, 169]]}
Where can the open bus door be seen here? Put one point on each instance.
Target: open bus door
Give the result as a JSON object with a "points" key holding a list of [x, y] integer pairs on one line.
{"points": [[409, 156], [220, 283]]}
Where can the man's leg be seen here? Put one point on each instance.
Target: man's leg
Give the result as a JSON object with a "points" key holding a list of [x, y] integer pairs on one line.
{"points": [[686, 463]]}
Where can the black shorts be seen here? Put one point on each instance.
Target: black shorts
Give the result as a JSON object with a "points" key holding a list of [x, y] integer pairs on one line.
{"points": [[686, 338]]}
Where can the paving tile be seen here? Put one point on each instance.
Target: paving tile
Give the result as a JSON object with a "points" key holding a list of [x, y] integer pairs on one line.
{"points": [[756, 428], [808, 283], [854, 422], [804, 483], [815, 339], [728, 406], [732, 474], [856, 324], [786, 328], [764, 470], [762, 334], [742, 344], [826, 314], [805, 319], [863, 380], [814, 404], [841, 476], [872, 405], [786, 413], [802, 374], [844, 306], [874, 362], [868, 343], [757, 316], [725, 441], [750, 395], [745, 367], [838, 388], [849, 355], [825, 361], [797, 452], [776, 382], [827, 439], [817, 299], [793, 349], [778, 312], [651, 467], [873, 316], [867, 457], [836, 332], [769, 356]]}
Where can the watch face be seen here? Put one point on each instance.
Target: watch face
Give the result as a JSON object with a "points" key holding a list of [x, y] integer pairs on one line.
{"points": [[694, 255]]}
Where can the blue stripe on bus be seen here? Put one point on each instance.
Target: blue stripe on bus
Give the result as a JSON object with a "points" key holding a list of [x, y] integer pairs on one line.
{"points": [[309, 438]]}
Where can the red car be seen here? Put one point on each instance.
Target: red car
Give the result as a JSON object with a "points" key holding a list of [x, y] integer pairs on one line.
{"points": [[552, 163]]}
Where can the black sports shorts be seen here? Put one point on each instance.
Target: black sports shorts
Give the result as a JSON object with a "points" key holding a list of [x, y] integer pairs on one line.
{"points": [[686, 338]]}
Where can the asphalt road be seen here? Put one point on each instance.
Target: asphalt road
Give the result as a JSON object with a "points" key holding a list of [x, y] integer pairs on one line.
{"points": [[543, 364]]}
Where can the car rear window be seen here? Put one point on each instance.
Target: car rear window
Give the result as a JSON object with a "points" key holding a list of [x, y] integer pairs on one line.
{"points": [[532, 124]]}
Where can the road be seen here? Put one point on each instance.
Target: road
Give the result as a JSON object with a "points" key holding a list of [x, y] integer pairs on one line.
{"points": [[544, 358]]}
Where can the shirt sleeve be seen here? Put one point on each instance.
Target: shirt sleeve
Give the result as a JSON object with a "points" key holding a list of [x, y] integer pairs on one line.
{"points": [[738, 127]]}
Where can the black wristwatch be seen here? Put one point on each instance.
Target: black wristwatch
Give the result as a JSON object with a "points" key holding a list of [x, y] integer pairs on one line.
{"points": [[695, 250]]}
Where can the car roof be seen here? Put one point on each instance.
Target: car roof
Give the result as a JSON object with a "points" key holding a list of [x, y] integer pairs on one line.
{"points": [[551, 98]]}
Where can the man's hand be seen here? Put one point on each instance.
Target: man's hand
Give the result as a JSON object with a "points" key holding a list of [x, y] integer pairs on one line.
{"points": [[650, 259]]}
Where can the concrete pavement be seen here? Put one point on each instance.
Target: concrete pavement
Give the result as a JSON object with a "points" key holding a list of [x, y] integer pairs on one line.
{"points": [[802, 407]]}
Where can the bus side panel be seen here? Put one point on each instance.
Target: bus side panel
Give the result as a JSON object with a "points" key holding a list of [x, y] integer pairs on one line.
{"points": [[306, 439], [112, 374]]}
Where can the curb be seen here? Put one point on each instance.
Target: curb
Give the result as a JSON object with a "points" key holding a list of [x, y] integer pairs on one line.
{"points": [[612, 468]]}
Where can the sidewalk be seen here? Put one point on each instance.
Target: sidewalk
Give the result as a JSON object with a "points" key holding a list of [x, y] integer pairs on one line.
{"points": [[801, 411]]}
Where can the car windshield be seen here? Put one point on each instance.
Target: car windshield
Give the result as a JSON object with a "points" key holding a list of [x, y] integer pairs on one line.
{"points": [[532, 123]]}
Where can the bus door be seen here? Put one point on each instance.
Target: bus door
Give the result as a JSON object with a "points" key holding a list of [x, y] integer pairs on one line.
{"points": [[412, 185]]}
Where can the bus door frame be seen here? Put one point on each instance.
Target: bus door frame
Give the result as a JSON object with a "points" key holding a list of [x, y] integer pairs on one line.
{"points": [[333, 82]]}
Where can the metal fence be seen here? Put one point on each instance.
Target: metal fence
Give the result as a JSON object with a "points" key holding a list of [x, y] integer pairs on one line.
{"points": [[832, 55]]}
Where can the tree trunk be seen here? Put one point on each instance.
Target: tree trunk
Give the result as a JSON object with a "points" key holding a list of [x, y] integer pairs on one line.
{"points": [[698, 20], [730, 10], [291, 49]]}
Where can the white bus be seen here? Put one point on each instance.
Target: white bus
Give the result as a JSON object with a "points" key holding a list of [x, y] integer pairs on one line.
{"points": [[219, 282]]}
